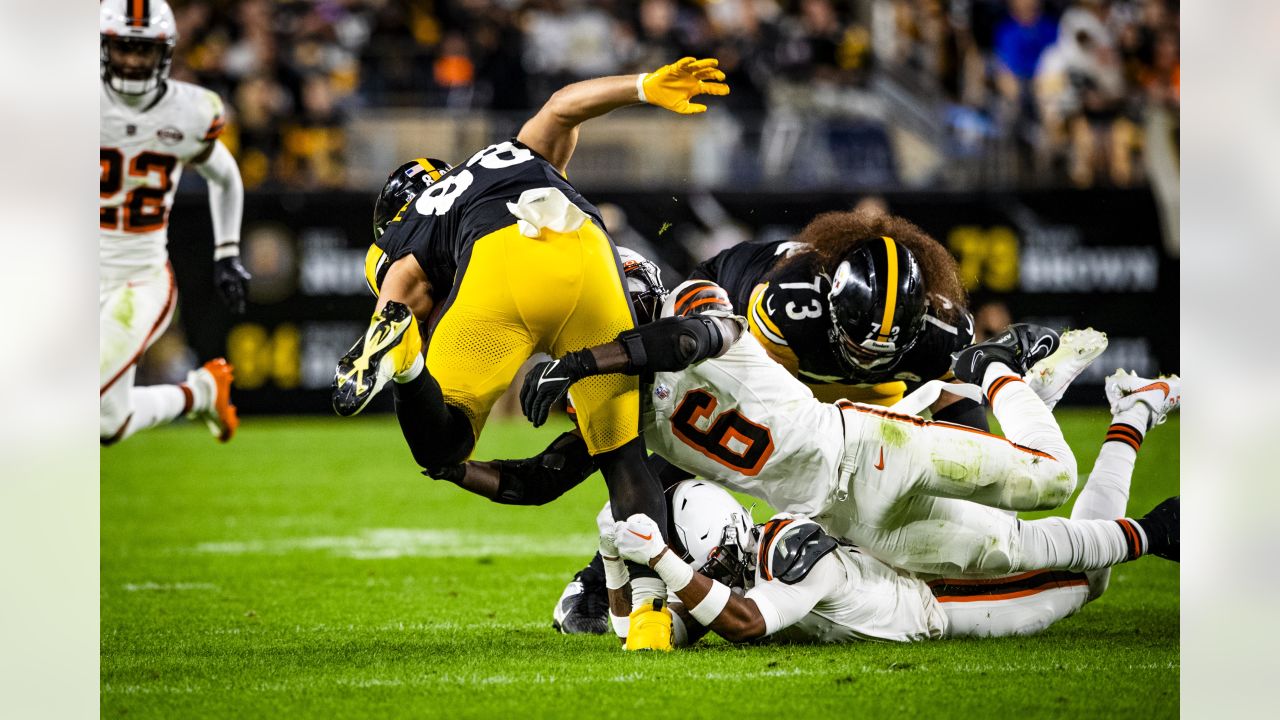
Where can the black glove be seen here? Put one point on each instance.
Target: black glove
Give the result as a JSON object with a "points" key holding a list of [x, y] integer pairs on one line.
{"points": [[549, 381], [232, 282]]}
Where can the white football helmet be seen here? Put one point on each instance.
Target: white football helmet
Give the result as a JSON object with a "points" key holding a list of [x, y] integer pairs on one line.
{"points": [[145, 28], [715, 531]]}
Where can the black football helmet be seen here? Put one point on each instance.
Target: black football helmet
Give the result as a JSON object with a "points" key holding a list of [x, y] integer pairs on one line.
{"points": [[644, 284], [403, 185], [878, 304]]}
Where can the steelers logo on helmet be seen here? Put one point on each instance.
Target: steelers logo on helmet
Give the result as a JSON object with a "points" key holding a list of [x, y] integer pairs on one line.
{"points": [[878, 304], [403, 185], [137, 38]]}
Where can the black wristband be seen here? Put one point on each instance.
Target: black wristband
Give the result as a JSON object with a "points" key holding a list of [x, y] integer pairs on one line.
{"points": [[585, 362]]}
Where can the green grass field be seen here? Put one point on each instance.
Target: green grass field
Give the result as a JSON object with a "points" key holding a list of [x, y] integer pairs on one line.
{"points": [[307, 570]]}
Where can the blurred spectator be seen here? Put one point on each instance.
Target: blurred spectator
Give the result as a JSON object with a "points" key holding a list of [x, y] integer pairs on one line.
{"points": [[293, 72]]}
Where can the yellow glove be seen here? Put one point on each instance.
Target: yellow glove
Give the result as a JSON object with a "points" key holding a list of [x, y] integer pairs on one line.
{"points": [[672, 86]]}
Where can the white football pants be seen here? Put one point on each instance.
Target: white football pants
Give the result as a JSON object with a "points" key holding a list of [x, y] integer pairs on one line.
{"points": [[133, 311]]}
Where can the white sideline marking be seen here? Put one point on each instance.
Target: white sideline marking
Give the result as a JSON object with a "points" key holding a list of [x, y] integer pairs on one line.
{"points": [[380, 543], [167, 587], [541, 679]]}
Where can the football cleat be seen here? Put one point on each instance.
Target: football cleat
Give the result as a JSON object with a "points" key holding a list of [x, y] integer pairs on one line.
{"points": [[211, 398], [1020, 346], [1050, 377], [1162, 527], [650, 627], [391, 346], [1125, 391], [583, 609]]}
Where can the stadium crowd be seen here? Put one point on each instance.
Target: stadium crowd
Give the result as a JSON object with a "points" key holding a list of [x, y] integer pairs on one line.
{"points": [[1070, 83]]}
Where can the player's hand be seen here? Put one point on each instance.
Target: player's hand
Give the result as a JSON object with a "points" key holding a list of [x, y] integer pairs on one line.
{"points": [[607, 525], [638, 539], [673, 86], [232, 282], [547, 383]]}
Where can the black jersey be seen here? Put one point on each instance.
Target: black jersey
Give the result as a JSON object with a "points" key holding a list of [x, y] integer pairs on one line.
{"points": [[467, 203], [788, 311]]}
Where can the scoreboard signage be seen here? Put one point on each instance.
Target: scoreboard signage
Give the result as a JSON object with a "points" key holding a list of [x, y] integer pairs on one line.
{"points": [[1064, 258]]}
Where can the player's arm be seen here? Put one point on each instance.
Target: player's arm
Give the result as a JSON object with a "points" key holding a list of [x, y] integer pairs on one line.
{"points": [[553, 132], [538, 480], [226, 205], [700, 325], [770, 606]]}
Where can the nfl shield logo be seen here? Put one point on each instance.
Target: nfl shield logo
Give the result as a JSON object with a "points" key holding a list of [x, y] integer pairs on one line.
{"points": [[662, 391]]}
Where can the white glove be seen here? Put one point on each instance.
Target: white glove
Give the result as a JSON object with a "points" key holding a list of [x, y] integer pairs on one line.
{"points": [[606, 524], [638, 539]]}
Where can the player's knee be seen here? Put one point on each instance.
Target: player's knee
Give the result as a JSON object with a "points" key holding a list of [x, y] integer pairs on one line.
{"points": [[448, 445]]}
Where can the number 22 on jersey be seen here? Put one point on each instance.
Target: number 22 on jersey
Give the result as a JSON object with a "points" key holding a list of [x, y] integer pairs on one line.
{"points": [[729, 438], [145, 207]]}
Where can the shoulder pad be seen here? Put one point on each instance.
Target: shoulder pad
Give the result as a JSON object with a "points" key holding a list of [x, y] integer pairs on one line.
{"points": [[790, 548], [695, 297]]}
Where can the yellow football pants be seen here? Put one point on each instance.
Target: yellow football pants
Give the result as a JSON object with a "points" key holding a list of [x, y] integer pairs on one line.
{"points": [[516, 296]]}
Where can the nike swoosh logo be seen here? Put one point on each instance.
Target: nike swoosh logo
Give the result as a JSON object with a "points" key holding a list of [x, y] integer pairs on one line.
{"points": [[880, 463], [1044, 343], [973, 366], [1161, 386], [545, 380], [642, 537]]}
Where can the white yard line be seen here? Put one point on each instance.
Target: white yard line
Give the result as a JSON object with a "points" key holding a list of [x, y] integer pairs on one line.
{"points": [[382, 543]]}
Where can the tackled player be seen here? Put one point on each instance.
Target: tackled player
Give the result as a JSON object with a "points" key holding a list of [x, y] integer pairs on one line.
{"points": [[504, 258]]}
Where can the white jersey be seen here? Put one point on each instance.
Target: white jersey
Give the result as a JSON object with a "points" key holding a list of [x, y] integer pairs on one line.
{"points": [[743, 421], [845, 596], [142, 154]]}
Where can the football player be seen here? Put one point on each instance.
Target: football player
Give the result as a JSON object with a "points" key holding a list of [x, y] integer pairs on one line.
{"points": [[829, 339], [506, 259], [151, 127], [922, 496], [823, 303], [808, 586], [762, 384]]}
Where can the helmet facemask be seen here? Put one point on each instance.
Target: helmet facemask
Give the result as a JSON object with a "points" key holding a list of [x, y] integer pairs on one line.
{"points": [[732, 560], [154, 58], [877, 305], [644, 285]]}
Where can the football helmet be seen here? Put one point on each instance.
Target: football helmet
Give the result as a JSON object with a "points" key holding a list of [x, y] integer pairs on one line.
{"points": [[878, 303], [137, 40], [644, 284], [714, 532], [403, 185]]}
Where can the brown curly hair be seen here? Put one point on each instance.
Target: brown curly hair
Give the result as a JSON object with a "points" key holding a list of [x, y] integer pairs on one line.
{"points": [[830, 236]]}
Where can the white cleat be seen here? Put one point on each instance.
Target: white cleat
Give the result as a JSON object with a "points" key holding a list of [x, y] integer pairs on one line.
{"points": [[1077, 349], [1125, 391]]}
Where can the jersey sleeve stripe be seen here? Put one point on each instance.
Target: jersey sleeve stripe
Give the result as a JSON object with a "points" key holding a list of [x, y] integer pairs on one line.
{"points": [[215, 128], [695, 290], [761, 321]]}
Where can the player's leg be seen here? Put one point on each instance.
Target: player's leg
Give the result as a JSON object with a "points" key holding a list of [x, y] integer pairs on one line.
{"points": [[1035, 469], [480, 340], [1022, 604], [1106, 495], [608, 406], [133, 313]]}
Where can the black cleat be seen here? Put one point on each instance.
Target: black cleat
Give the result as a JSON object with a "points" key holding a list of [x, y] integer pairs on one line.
{"points": [[583, 608], [1020, 346], [1162, 527], [391, 345]]}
